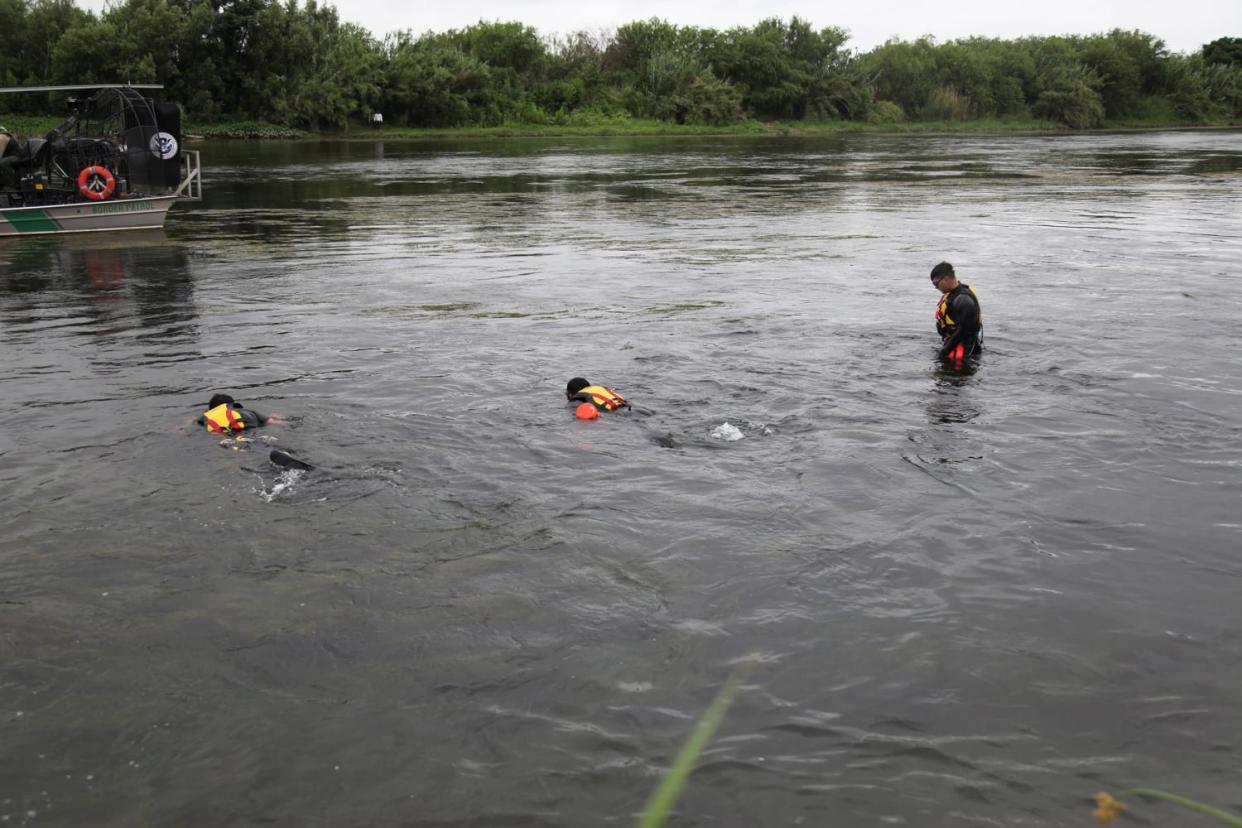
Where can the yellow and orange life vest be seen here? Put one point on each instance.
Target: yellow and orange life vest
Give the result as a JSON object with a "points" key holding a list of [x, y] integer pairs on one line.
{"points": [[223, 419], [944, 322], [605, 399]]}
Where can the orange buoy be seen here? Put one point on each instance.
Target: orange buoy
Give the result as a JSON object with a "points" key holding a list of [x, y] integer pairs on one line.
{"points": [[587, 411], [96, 183]]}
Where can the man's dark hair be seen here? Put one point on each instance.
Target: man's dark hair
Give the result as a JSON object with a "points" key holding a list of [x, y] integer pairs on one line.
{"points": [[942, 269], [575, 385], [219, 399]]}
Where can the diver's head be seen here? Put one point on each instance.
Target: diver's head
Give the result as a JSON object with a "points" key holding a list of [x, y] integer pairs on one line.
{"points": [[943, 277], [219, 399], [574, 386]]}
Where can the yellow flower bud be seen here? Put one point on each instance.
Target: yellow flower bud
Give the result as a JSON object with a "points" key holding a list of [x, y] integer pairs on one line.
{"points": [[1107, 808]]}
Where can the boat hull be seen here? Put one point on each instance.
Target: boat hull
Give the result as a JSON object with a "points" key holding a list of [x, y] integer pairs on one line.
{"points": [[143, 213]]}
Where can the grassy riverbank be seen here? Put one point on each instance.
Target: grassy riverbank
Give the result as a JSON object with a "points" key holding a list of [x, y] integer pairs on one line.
{"points": [[37, 126], [633, 127], [638, 128], [25, 126]]}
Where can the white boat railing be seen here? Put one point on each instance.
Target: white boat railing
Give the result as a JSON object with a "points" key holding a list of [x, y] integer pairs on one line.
{"points": [[192, 177]]}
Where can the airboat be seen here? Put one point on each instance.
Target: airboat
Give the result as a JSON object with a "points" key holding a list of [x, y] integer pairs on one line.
{"points": [[116, 163]]}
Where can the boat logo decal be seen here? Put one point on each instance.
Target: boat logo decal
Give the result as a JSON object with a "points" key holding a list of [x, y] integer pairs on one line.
{"points": [[164, 145]]}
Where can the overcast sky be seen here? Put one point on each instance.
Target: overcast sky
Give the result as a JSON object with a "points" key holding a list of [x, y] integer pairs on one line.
{"points": [[1184, 25]]}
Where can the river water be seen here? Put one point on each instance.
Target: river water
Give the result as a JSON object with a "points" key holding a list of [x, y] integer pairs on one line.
{"points": [[963, 598]]}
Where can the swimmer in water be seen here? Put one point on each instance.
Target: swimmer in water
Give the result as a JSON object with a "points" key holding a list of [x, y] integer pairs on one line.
{"points": [[579, 391], [224, 415]]}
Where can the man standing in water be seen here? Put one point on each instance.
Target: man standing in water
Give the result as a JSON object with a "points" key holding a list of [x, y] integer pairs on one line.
{"points": [[959, 319]]}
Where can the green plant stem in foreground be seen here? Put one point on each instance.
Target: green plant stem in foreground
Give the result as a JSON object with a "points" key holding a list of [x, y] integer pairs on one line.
{"points": [[665, 796], [1185, 802]]}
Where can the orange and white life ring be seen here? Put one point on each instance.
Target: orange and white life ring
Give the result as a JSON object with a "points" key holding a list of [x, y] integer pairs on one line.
{"points": [[96, 183]]}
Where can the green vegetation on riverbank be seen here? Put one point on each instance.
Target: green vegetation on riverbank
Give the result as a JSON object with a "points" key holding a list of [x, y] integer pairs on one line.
{"points": [[638, 128], [635, 128], [36, 126], [25, 126], [244, 129], [277, 68]]}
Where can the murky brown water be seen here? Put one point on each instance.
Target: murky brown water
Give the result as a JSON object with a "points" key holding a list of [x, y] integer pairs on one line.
{"points": [[973, 598]]}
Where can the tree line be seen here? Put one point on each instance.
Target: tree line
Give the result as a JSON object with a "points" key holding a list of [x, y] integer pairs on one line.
{"points": [[299, 65]]}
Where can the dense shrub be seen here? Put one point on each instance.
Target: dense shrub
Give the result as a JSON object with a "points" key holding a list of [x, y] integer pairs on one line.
{"points": [[1226, 50], [1071, 97], [947, 104], [709, 100], [885, 112]]}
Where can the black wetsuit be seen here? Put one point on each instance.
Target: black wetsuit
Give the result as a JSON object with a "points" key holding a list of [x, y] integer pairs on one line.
{"points": [[966, 329]]}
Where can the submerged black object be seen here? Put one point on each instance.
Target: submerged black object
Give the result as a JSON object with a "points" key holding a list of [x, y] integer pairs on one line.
{"points": [[287, 461]]}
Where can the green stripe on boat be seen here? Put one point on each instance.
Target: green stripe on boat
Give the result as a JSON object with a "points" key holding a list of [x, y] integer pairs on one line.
{"points": [[30, 221]]}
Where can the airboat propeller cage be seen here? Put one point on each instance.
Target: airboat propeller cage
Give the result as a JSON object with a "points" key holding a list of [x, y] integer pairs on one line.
{"points": [[150, 134]]}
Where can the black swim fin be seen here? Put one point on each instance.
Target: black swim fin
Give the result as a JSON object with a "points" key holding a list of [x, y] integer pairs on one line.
{"points": [[288, 461]]}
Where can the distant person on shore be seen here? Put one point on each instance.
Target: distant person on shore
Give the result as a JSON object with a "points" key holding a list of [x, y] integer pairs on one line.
{"points": [[592, 399], [959, 318]]}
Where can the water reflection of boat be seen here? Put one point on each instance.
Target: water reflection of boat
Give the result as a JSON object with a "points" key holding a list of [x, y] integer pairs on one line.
{"points": [[110, 282], [116, 163]]}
